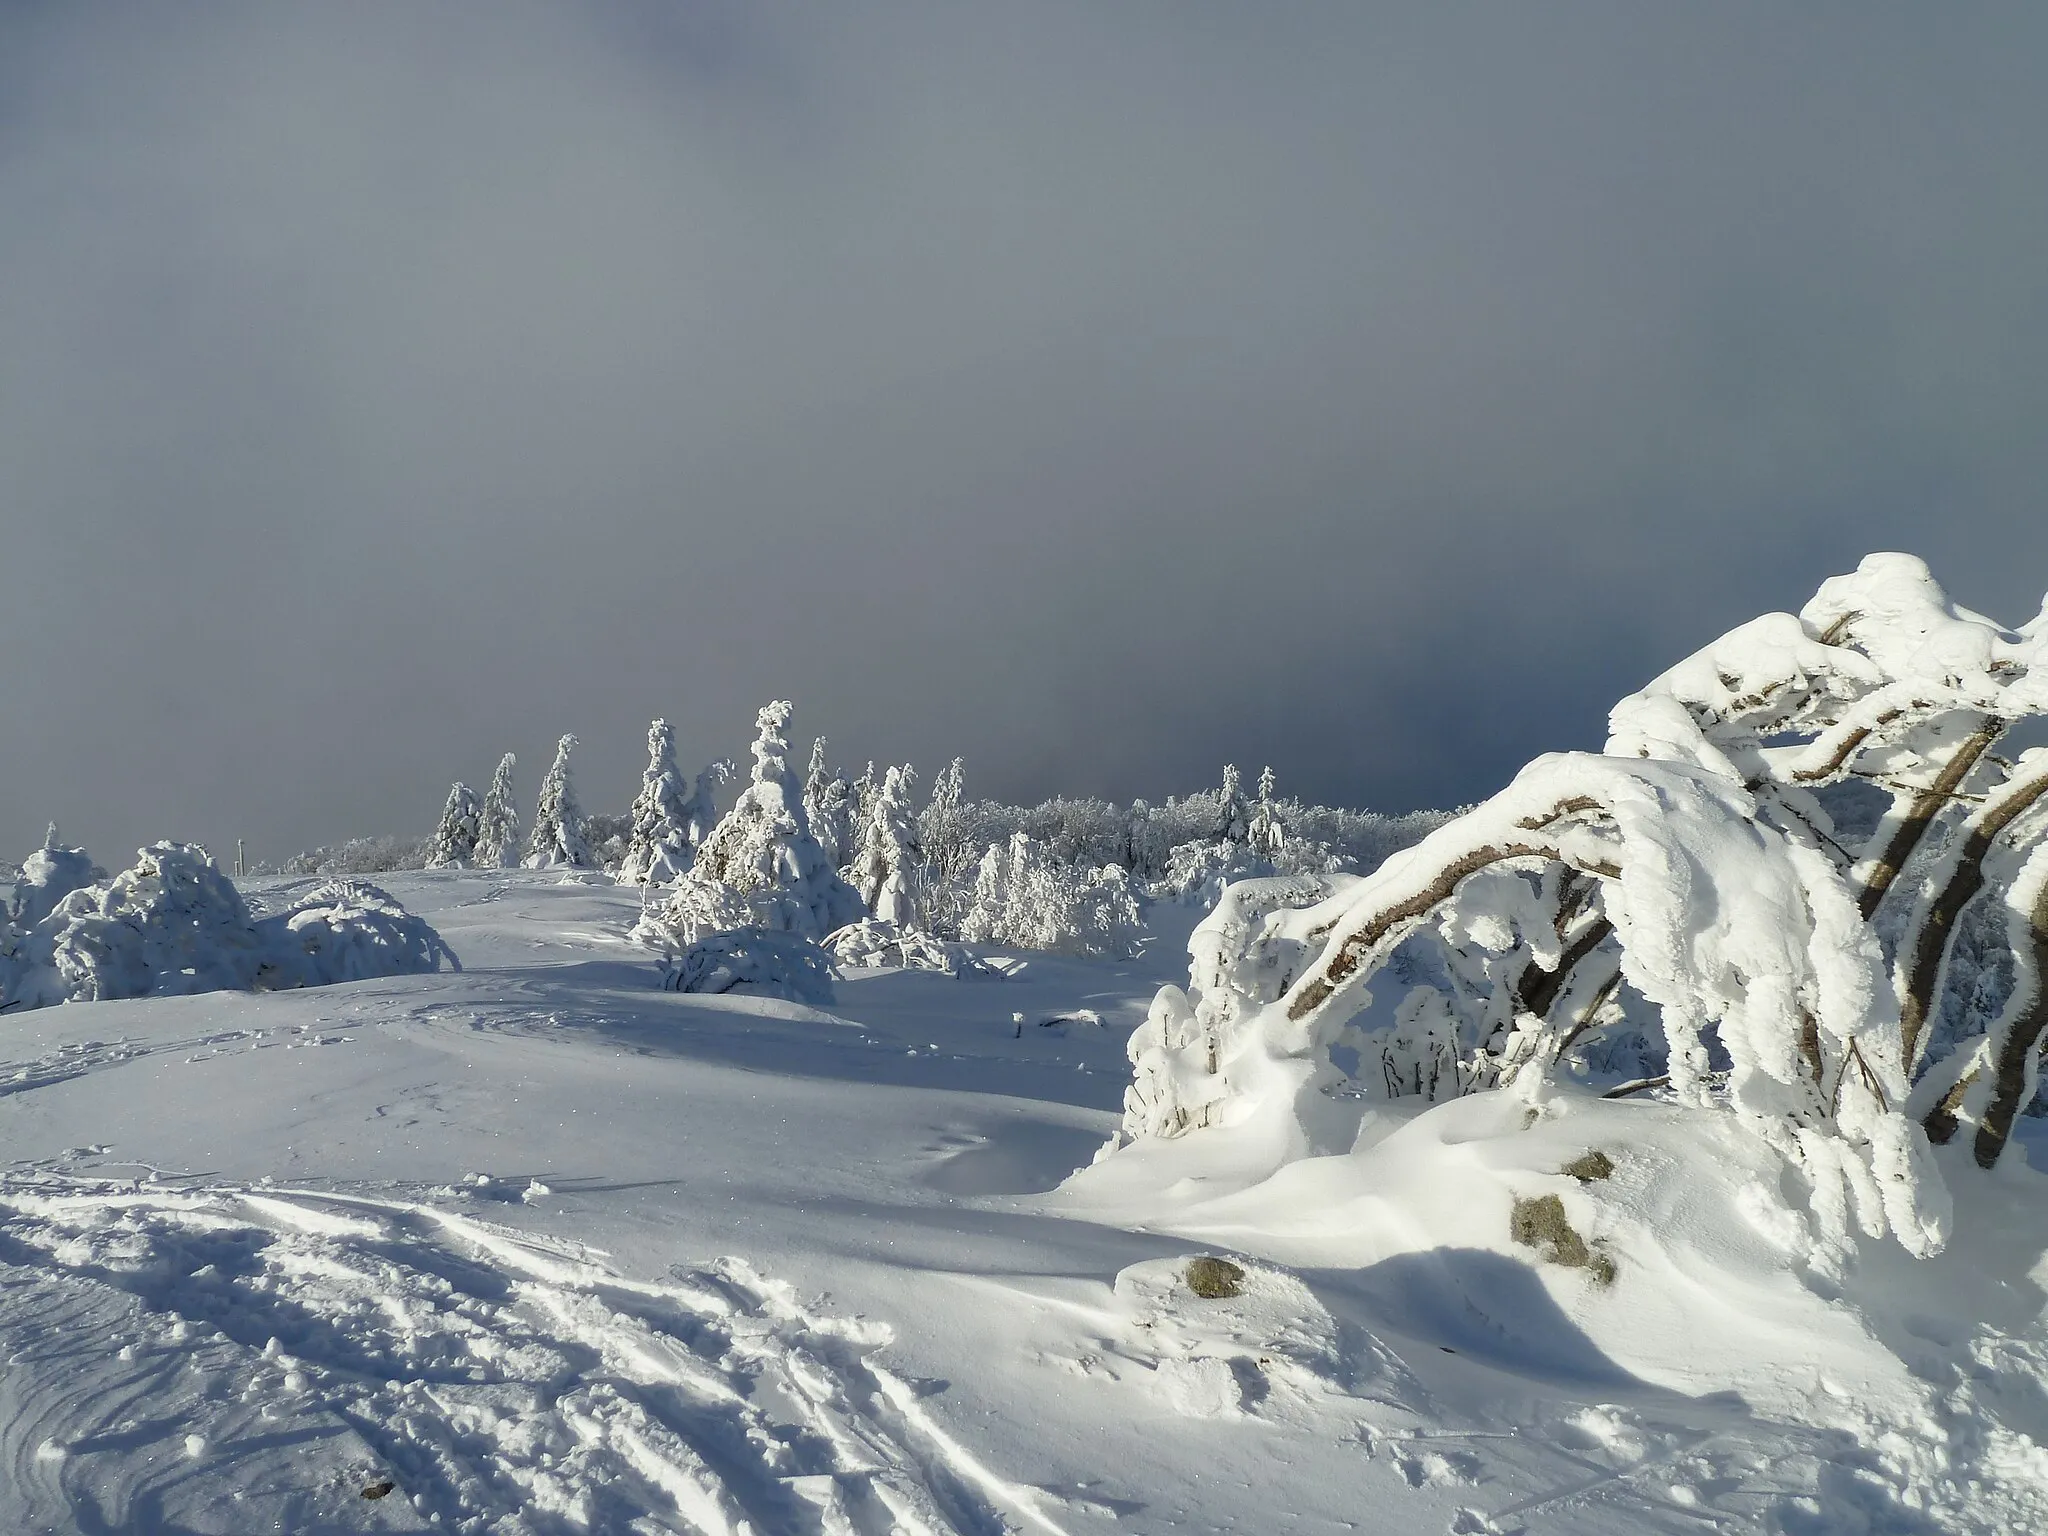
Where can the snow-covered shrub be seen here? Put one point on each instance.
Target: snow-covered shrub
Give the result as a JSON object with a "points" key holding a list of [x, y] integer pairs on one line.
{"points": [[772, 964], [1022, 899], [608, 835], [1835, 976], [345, 930], [1197, 872], [47, 876], [454, 843], [877, 942], [557, 840], [1236, 967], [173, 924], [759, 867], [661, 846], [497, 828], [360, 856]]}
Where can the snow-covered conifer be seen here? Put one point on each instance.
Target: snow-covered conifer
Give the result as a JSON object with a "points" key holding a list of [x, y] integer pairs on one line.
{"points": [[454, 844], [1233, 816], [557, 840], [700, 811], [890, 865], [761, 857], [661, 846], [946, 834], [829, 802], [497, 827], [985, 920], [1265, 834], [865, 788]]}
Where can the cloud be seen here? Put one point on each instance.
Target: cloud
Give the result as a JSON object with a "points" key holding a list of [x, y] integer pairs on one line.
{"points": [[1097, 392]]}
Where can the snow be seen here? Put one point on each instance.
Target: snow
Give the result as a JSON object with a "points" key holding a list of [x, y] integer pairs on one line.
{"points": [[548, 1249]]}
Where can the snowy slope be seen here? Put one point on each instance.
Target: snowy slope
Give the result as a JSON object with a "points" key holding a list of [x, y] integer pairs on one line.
{"points": [[549, 1250]]}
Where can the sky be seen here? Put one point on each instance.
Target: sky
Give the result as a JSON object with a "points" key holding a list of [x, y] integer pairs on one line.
{"points": [[1096, 392]]}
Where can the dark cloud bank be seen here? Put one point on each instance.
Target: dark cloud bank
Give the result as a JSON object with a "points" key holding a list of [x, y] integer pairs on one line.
{"points": [[1097, 391]]}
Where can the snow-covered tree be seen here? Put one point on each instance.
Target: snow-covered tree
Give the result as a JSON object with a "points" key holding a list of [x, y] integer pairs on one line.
{"points": [[1233, 816], [865, 788], [947, 837], [1853, 978], [661, 846], [454, 844], [1266, 834], [830, 802], [557, 840], [889, 867], [700, 811], [1024, 899], [497, 826], [760, 861]]}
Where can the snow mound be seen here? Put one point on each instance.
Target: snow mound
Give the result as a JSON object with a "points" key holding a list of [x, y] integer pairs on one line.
{"points": [[1269, 1345], [1723, 1281]]}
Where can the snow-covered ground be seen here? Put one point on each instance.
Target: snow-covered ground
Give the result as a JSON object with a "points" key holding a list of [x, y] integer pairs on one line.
{"points": [[537, 1247]]}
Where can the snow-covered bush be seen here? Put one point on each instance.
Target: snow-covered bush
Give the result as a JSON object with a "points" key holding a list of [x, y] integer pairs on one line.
{"points": [[173, 924], [47, 876], [661, 846], [1022, 899], [497, 828], [345, 930], [557, 840], [454, 843], [360, 856], [772, 964], [760, 861], [875, 942], [1852, 980]]}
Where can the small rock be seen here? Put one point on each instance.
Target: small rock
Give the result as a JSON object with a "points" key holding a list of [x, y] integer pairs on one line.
{"points": [[1215, 1279]]}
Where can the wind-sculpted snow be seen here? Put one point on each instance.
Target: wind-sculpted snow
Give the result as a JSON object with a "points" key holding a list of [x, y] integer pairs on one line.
{"points": [[299, 1351]]}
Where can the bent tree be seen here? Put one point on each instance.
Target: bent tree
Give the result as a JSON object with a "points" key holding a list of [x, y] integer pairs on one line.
{"points": [[1809, 854]]}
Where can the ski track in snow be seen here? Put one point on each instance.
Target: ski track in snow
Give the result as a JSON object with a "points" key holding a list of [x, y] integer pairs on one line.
{"points": [[314, 1345]]}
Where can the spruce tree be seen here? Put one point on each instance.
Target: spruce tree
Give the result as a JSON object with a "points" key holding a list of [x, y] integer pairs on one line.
{"points": [[558, 841], [497, 827], [454, 845], [661, 846]]}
